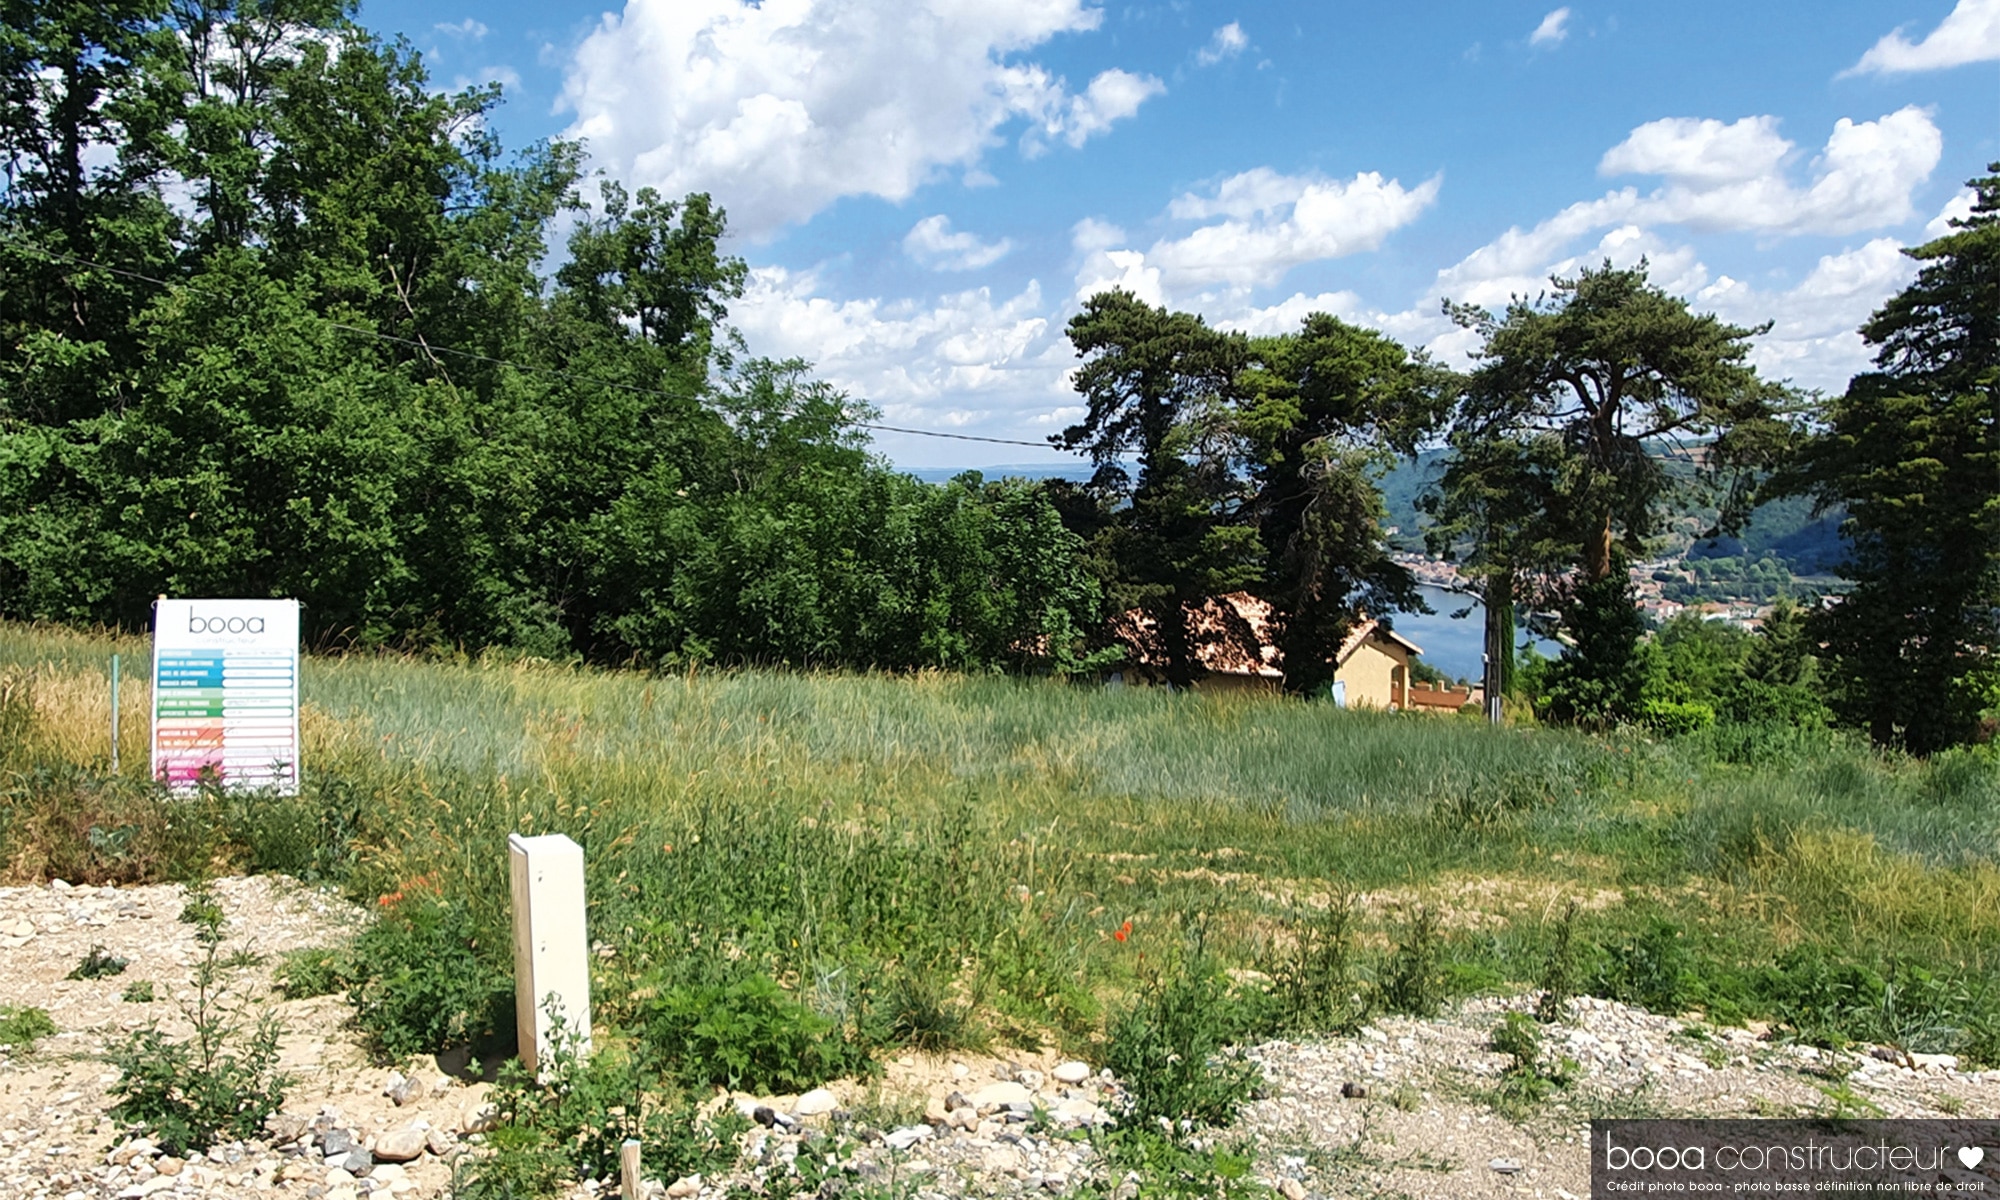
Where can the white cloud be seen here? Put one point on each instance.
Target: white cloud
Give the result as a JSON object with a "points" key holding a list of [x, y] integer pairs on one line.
{"points": [[969, 359], [1227, 42], [471, 29], [932, 243], [1552, 30], [1092, 234], [1970, 33], [1112, 96], [1814, 340], [1275, 222], [1106, 269], [1732, 177], [780, 108], [1958, 208]]}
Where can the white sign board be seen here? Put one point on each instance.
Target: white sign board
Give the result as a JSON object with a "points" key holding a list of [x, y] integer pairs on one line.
{"points": [[226, 693]]}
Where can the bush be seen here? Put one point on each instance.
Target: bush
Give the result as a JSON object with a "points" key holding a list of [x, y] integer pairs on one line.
{"points": [[217, 1085], [1654, 970], [1413, 982], [1168, 1047], [1674, 718], [310, 972], [425, 977], [1312, 978], [748, 1035]]}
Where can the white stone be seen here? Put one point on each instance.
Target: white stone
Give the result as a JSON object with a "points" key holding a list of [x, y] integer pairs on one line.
{"points": [[816, 1103], [996, 1095], [908, 1136], [402, 1145], [1071, 1072], [686, 1185]]}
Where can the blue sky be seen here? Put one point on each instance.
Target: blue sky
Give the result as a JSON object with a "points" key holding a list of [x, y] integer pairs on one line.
{"points": [[926, 190]]}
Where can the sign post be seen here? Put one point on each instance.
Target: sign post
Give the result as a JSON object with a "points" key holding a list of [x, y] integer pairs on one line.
{"points": [[226, 693]]}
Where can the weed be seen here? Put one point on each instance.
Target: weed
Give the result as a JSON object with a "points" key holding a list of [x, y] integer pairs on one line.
{"points": [[21, 1028], [922, 1016], [1559, 970], [1169, 1046], [310, 972], [1525, 1082], [1170, 1168], [748, 1035], [218, 1084], [1948, 1104], [426, 977], [1312, 984], [139, 991], [98, 963], [1414, 981]]}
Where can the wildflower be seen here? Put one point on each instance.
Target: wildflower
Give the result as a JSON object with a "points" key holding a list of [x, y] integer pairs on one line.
{"points": [[1123, 931]]}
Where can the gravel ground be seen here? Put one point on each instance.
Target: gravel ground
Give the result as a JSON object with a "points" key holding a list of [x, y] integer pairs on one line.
{"points": [[1404, 1109]]}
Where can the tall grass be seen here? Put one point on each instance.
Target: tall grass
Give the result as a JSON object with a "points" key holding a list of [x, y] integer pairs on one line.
{"points": [[974, 843]]}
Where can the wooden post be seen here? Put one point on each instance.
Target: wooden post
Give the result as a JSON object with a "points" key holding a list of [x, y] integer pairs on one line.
{"points": [[551, 945], [628, 1170], [114, 714]]}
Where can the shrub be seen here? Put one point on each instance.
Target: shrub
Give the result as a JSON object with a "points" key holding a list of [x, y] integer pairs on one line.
{"points": [[748, 1034], [1413, 981], [1312, 978], [1654, 970], [310, 972], [1676, 718], [1168, 1047], [139, 991], [221, 1082], [1559, 970], [1525, 1082], [426, 977]]}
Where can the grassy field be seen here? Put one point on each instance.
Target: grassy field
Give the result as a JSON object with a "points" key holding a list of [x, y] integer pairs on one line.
{"points": [[939, 860]]}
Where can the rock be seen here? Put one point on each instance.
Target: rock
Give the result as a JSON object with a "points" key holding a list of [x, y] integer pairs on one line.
{"points": [[336, 1176], [1032, 1080], [403, 1091], [815, 1103], [956, 1101], [478, 1116], [438, 1142], [935, 1113], [1078, 1111], [357, 1162], [335, 1143], [907, 1136], [136, 1148], [167, 1164], [1354, 1091], [1935, 1062], [386, 1173], [402, 1145], [284, 1127], [1506, 1166], [686, 1185], [1291, 1189], [764, 1115], [965, 1118], [997, 1095], [1071, 1072]]}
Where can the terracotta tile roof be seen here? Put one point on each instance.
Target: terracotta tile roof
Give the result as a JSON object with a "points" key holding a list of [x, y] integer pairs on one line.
{"points": [[1233, 637]]}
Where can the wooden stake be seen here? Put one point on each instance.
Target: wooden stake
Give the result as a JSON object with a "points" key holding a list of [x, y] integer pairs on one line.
{"points": [[628, 1170]]}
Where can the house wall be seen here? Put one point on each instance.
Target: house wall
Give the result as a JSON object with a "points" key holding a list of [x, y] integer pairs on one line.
{"points": [[1372, 673]]}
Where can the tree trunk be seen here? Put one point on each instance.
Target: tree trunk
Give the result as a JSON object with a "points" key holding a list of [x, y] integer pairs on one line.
{"points": [[1597, 552], [1499, 655]]}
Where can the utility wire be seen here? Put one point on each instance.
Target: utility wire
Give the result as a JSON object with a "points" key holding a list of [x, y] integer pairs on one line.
{"points": [[474, 356]]}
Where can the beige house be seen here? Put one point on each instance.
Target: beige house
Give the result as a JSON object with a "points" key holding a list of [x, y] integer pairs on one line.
{"points": [[1372, 669]]}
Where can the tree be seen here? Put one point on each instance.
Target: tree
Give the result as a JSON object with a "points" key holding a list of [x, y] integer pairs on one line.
{"points": [[1912, 449], [1615, 368], [1322, 410], [1160, 386], [1559, 439]]}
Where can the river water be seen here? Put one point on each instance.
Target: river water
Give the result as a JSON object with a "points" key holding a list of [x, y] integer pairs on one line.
{"points": [[1455, 645]]}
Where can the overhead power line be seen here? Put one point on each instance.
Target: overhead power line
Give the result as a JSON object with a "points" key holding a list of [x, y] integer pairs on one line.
{"points": [[474, 356]]}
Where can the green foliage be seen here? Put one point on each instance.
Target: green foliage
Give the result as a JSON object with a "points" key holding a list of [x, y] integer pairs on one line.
{"points": [[1675, 718], [1413, 980], [1170, 1168], [1314, 987], [747, 1035], [1911, 450], [21, 1028], [98, 963], [1526, 1082], [1169, 1046], [427, 976], [310, 972], [1600, 680], [1654, 969], [139, 991], [220, 1082], [1559, 978]]}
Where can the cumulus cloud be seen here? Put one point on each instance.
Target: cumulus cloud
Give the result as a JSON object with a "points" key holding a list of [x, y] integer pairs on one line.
{"points": [[1552, 30], [471, 29], [1733, 177], [932, 242], [780, 108], [968, 361], [1227, 42], [1958, 208], [1272, 223], [1814, 340], [1111, 97], [1970, 33]]}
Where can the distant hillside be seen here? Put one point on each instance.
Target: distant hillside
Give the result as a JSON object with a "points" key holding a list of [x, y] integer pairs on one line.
{"points": [[1783, 529]]}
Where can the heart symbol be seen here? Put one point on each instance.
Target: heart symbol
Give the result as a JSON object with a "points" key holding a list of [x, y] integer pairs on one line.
{"points": [[1971, 1156]]}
